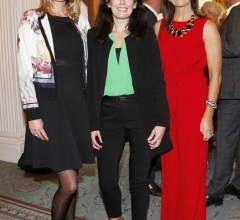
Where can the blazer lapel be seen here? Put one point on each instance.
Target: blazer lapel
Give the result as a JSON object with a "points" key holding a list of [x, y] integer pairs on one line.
{"points": [[132, 57], [47, 29]]}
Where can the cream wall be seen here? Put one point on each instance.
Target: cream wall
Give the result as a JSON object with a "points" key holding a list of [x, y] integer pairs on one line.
{"points": [[12, 126]]}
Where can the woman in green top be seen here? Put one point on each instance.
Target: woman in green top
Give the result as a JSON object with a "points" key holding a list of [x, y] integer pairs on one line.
{"points": [[126, 101]]}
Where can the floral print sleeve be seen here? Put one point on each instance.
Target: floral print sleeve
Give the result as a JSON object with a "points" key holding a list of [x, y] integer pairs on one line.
{"points": [[27, 53]]}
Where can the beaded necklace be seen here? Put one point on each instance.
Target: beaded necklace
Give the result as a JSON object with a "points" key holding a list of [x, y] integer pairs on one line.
{"points": [[184, 30]]}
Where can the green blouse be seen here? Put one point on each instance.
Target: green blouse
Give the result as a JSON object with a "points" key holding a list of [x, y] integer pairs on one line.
{"points": [[119, 78]]}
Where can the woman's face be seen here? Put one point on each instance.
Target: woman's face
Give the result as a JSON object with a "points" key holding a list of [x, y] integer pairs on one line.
{"points": [[121, 9]]}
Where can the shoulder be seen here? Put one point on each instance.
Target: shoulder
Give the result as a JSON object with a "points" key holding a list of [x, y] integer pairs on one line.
{"points": [[210, 30], [209, 26], [235, 10], [92, 32], [32, 13], [91, 35], [28, 17]]}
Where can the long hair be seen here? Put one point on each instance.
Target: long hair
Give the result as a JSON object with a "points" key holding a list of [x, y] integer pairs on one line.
{"points": [[168, 10], [72, 8], [104, 21]]}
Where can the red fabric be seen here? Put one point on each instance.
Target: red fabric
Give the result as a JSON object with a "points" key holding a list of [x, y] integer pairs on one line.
{"points": [[184, 168]]}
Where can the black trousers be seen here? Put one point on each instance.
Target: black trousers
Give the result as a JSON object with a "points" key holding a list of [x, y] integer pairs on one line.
{"points": [[120, 121]]}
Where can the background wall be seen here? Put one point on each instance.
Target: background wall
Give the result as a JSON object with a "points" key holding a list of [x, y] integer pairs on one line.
{"points": [[12, 126]]}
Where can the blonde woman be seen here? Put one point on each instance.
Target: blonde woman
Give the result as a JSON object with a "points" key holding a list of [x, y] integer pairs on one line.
{"points": [[52, 58], [213, 11]]}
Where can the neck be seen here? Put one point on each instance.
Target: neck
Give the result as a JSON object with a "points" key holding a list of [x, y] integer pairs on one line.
{"points": [[120, 25], [59, 8], [154, 4], [183, 13]]}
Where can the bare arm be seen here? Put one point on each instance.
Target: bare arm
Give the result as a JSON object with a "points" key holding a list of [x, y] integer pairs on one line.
{"points": [[212, 43]]}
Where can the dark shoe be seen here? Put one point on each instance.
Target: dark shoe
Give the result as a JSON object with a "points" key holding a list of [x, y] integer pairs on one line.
{"points": [[154, 189], [213, 201], [232, 190]]}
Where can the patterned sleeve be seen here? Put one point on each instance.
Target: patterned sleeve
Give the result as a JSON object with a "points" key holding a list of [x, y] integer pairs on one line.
{"points": [[27, 55]]}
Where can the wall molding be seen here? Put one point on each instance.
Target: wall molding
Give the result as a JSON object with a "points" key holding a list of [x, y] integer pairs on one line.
{"points": [[11, 146]]}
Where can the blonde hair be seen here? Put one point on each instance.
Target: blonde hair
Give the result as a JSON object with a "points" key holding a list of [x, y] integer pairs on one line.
{"points": [[215, 8], [72, 8]]}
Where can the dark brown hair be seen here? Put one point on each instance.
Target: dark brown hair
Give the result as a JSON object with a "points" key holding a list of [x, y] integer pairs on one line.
{"points": [[168, 10], [104, 21]]}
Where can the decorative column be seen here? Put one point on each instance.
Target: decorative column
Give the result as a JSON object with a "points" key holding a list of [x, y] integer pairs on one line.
{"points": [[12, 125]]}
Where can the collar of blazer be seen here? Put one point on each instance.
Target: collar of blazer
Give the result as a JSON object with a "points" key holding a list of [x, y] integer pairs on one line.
{"points": [[132, 51]]}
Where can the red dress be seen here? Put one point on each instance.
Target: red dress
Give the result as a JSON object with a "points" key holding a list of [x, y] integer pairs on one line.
{"points": [[184, 168]]}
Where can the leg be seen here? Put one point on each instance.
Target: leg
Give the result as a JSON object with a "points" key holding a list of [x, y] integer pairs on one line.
{"points": [[72, 209], [227, 142], [114, 138], [152, 170], [65, 194], [139, 168], [153, 187], [236, 181]]}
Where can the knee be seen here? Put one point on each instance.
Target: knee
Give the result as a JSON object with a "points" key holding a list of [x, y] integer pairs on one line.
{"points": [[139, 183], [69, 189], [108, 186]]}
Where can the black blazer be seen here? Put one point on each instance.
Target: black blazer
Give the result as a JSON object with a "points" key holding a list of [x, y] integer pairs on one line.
{"points": [[147, 77]]}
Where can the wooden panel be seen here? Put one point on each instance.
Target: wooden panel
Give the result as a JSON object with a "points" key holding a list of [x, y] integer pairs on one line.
{"points": [[92, 10]]}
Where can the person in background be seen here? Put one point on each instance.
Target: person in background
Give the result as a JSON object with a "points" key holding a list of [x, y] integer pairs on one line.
{"points": [[214, 11], [228, 114], [188, 43], [126, 101], [52, 57], [153, 8]]}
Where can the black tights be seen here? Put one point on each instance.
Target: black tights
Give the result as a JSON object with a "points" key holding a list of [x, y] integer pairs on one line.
{"points": [[64, 200]]}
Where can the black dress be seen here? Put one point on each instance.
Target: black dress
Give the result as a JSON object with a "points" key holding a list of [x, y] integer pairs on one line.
{"points": [[65, 119]]}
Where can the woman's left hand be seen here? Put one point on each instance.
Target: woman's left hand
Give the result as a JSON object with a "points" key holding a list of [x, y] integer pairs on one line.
{"points": [[206, 127], [156, 136]]}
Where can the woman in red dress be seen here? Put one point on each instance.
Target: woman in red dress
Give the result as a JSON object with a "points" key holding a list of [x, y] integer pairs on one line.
{"points": [[188, 44]]}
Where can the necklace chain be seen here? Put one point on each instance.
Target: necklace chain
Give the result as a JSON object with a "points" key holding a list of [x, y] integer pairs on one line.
{"points": [[184, 30]]}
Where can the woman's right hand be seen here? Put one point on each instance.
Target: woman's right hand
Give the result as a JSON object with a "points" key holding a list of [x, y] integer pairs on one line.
{"points": [[96, 138], [36, 128]]}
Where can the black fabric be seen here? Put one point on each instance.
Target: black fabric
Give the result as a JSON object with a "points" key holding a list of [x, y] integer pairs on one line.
{"points": [[121, 120], [118, 51], [147, 78], [65, 119], [151, 17], [32, 114]]}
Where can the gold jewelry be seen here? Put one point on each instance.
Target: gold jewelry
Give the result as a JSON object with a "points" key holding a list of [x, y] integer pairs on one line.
{"points": [[184, 30]]}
